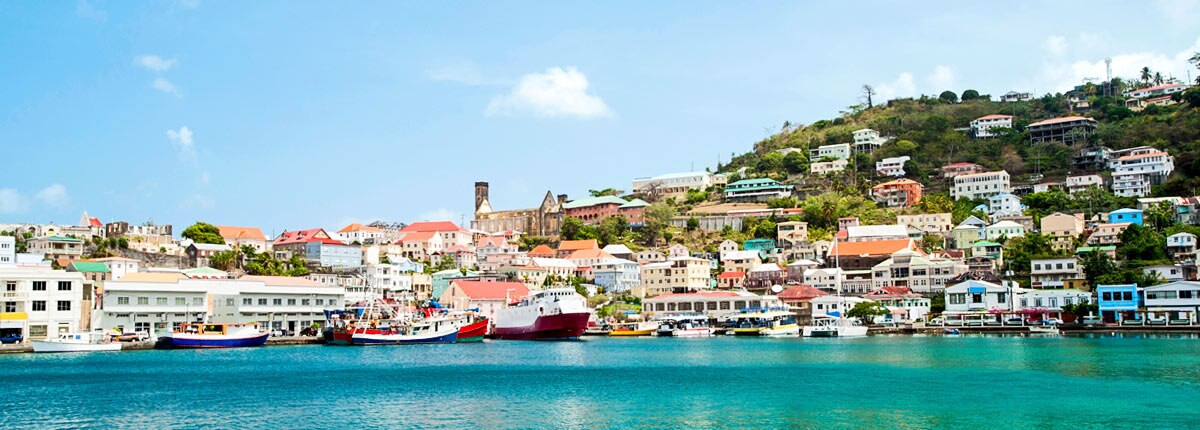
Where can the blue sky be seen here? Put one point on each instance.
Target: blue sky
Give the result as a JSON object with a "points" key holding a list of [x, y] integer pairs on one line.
{"points": [[289, 115]]}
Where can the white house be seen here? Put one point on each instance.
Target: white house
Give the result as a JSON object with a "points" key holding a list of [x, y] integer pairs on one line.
{"points": [[839, 151], [867, 140], [120, 266], [8, 250], [823, 167], [1051, 272], [617, 275], [1178, 300], [909, 269], [1051, 301], [1134, 173], [1004, 205], [1168, 272], [984, 125], [1007, 229], [891, 166], [1157, 90], [1079, 183], [979, 185], [39, 302], [674, 182], [977, 297], [938, 223], [833, 305], [1182, 246]]}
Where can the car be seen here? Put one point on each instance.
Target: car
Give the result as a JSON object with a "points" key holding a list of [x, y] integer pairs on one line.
{"points": [[1014, 321], [1050, 321], [12, 338], [280, 333], [937, 321], [136, 336], [1090, 320]]}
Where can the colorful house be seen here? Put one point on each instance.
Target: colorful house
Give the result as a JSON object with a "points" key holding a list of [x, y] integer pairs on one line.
{"points": [[317, 247], [1127, 215], [1119, 302]]}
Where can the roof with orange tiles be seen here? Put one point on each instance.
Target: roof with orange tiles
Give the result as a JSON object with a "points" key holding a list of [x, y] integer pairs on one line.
{"points": [[1061, 120], [890, 291], [234, 232], [575, 245], [496, 241], [94, 222], [357, 227], [897, 182], [875, 247], [1136, 156], [419, 236], [736, 274], [424, 226], [540, 250], [584, 254], [801, 292]]}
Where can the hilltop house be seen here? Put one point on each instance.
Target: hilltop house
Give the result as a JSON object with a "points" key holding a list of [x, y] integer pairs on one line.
{"points": [[1060, 129], [983, 126]]}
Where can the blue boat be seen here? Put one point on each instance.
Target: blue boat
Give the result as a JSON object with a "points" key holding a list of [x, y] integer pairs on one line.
{"points": [[218, 336]]}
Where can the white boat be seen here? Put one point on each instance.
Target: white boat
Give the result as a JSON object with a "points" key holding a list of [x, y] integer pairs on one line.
{"points": [[827, 326], [553, 313], [684, 326], [422, 331], [1048, 330], [77, 342], [765, 323], [218, 336]]}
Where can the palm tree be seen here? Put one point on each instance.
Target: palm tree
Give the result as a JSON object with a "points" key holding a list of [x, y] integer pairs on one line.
{"points": [[1146, 74], [1158, 78]]}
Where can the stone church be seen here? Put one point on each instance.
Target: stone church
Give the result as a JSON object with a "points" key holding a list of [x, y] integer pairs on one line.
{"points": [[544, 220]]}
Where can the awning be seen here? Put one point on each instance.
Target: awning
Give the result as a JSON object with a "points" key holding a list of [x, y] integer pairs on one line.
{"points": [[976, 290]]}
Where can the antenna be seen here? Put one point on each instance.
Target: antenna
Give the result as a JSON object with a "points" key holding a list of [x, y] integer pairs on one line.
{"points": [[1108, 72]]}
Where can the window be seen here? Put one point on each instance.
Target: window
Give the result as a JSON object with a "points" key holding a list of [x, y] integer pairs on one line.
{"points": [[38, 305], [161, 301], [143, 300], [1107, 296], [64, 305], [322, 302], [39, 285], [247, 302], [10, 286], [262, 302], [122, 300], [976, 298], [291, 302], [1127, 296], [228, 302], [1185, 294], [277, 302], [305, 302], [10, 306], [64, 285], [198, 301]]}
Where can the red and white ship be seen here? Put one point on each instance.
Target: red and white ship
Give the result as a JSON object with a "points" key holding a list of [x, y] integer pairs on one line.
{"points": [[553, 313]]}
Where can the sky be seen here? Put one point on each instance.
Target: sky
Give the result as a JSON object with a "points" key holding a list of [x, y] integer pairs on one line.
{"points": [[301, 114]]}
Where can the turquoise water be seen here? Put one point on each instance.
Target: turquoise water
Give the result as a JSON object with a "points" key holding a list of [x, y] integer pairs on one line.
{"points": [[877, 382]]}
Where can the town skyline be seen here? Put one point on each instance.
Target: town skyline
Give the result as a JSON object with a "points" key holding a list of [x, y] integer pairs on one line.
{"points": [[384, 120]]}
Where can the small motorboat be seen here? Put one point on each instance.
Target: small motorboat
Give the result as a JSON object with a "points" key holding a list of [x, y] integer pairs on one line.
{"points": [[218, 336], [634, 329], [77, 342], [684, 326], [769, 322]]}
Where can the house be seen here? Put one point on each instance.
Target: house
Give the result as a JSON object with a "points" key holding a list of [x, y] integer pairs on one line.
{"points": [[980, 185], [797, 269], [891, 166], [904, 305], [984, 126], [712, 304], [1182, 246], [993, 251], [1062, 229], [790, 234], [568, 247], [544, 220], [560, 268], [1049, 303], [823, 167], [966, 234], [1077, 183], [936, 223], [675, 183], [40, 302], [677, 250], [756, 190], [867, 140], [362, 234], [93, 272], [839, 151], [542, 251], [1013, 96], [1132, 216], [449, 232], [898, 193], [421, 245], [1165, 272], [119, 266], [1137, 169], [1004, 205], [617, 275], [731, 280], [1119, 302], [532, 277], [488, 297], [1060, 129], [589, 257], [727, 246], [977, 297], [676, 275], [492, 245], [316, 247], [594, 210], [619, 251], [865, 255], [1156, 91], [56, 247], [1107, 234], [1054, 272], [952, 170], [740, 261], [1003, 229], [237, 237], [832, 305], [799, 299], [764, 276], [199, 253], [1179, 300], [649, 256], [912, 270]]}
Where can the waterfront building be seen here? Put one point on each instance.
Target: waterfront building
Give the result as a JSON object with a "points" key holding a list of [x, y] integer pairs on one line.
{"points": [[676, 275], [1176, 301], [1060, 129], [904, 305], [544, 220], [799, 299], [977, 297], [532, 276], [318, 248], [39, 302], [980, 185], [1054, 272], [984, 126], [1051, 301], [833, 305], [713, 304], [824, 279], [1119, 302]]}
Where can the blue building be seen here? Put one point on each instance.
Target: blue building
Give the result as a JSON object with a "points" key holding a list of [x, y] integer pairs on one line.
{"points": [[1133, 216], [758, 244], [317, 247], [1119, 302]]}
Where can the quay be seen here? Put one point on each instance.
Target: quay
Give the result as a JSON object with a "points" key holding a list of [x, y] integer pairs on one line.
{"points": [[21, 348]]}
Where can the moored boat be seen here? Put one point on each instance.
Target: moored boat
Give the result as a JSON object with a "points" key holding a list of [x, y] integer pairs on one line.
{"points": [[218, 336], [422, 331], [829, 326], [684, 326], [634, 329], [77, 342], [553, 313], [473, 331], [765, 323]]}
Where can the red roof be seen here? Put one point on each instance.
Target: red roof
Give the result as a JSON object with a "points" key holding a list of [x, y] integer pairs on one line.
{"points": [[541, 250], [1058, 120], [588, 253], [801, 292], [575, 245], [497, 241], [1136, 156], [420, 236], [483, 290], [357, 227], [890, 291], [425, 226], [232, 232], [732, 275], [95, 222], [874, 247], [306, 236]]}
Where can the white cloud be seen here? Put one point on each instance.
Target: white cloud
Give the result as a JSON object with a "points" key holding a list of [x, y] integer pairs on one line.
{"points": [[1056, 45], [165, 86], [1062, 76], [1090, 39], [198, 201], [462, 73], [903, 86], [943, 78], [440, 214], [154, 63], [11, 201], [555, 93], [54, 195], [182, 142]]}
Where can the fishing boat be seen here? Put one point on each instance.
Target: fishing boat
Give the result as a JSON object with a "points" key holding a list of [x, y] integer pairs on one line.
{"points": [[684, 326], [218, 336], [440, 329], [633, 329], [77, 342], [830, 326], [474, 329], [553, 313], [771, 322]]}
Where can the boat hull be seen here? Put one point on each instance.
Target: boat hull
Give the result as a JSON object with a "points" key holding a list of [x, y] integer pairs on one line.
{"points": [[835, 331], [200, 341], [41, 346], [631, 333], [401, 339], [473, 332], [547, 327]]}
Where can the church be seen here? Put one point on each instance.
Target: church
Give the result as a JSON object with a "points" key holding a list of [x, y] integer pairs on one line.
{"points": [[544, 220]]}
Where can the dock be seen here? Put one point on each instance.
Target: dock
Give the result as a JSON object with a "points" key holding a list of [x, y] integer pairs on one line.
{"points": [[22, 348]]}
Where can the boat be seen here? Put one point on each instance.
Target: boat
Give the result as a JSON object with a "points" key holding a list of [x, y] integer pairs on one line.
{"points": [[634, 329], [474, 330], [553, 313], [1047, 330], [769, 322], [832, 326], [684, 326], [440, 329], [77, 342], [218, 336]]}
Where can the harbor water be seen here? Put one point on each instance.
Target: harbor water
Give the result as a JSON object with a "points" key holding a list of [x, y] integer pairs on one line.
{"points": [[1129, 381]]}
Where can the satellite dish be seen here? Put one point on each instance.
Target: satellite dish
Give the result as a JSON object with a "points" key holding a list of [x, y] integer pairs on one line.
{"points": [[776, 288]]}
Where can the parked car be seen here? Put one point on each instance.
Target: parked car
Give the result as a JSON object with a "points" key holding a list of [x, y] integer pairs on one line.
{"points": [[12, 338], [1014, 321], [136, 336], [1092, 320], [1050, 321], [280, 333], [937, 321]]}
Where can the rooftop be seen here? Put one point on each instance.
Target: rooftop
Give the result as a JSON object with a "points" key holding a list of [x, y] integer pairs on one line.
{"points": [[1053, 121]]}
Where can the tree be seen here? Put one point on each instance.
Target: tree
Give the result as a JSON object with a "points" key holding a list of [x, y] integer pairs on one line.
{"points": [[1095, 264], [1158, 78], [223, 260], [772, 162], [202, 232], [795, 162], [869, 94], [657, 220], [692, 224], [969, 95], [1141, 243], [605, 192], [935, 203], [867, 311], [574, 229], [1145, 74], [948, 97]]}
